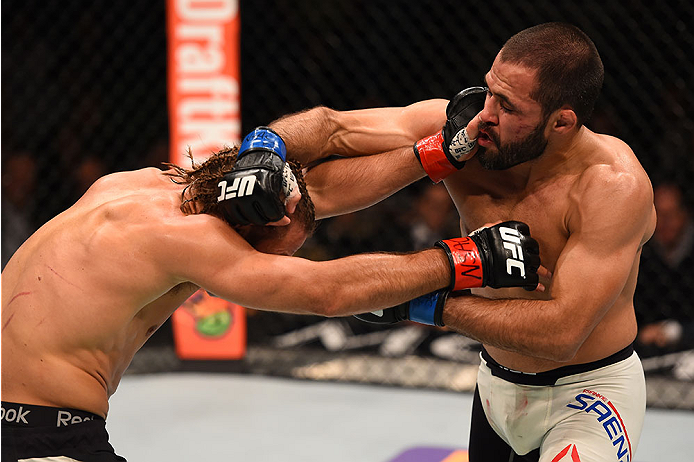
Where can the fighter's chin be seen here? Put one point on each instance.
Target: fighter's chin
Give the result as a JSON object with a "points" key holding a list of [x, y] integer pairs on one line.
{"points": [[492, 163], [488, 158]]}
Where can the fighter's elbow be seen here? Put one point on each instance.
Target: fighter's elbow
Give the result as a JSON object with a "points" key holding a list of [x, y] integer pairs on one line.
{"points": [[563, 352], [563, 336], [565, 347], [325, 116], [328, 308]]}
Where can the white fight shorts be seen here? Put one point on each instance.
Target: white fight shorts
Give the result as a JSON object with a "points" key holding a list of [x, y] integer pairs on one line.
{"points": [[584, 412]]}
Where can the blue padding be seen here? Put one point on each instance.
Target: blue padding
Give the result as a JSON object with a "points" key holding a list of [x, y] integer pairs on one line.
{"points": [[263, 138], [423, 309]]}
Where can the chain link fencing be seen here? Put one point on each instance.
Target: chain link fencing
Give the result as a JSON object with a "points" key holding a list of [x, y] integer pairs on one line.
{"points": [[84, 94]]}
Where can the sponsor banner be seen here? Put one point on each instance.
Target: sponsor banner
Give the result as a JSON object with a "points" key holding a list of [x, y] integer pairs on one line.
{"points": [[204, 116], [203, 76]]}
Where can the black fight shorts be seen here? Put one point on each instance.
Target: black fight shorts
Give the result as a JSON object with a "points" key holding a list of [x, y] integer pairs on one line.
{"points": [[37, 432]]}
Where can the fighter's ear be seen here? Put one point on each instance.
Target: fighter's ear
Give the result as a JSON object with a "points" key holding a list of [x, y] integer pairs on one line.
{"points": [[565, 120]]}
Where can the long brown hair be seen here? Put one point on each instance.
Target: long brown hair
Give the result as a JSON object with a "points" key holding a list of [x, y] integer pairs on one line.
{"points": [[201, 190]]}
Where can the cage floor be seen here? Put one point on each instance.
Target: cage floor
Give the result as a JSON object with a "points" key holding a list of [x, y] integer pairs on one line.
{"points": [[205, 416]]}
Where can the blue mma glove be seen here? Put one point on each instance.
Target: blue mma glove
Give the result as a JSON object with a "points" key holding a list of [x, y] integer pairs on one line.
{"points": [[254, 191], [427, 309]]}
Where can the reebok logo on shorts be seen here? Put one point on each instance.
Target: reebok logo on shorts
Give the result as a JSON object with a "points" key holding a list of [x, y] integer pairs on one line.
{"points": [[12, 415], [66, 418], [29, 415], [606, 414]]}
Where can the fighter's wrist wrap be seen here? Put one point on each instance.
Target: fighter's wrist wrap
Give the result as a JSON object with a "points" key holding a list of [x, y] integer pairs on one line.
{"points": [[289, 183], [428, 309], [266, 139], [466, 261], [435, 162]]}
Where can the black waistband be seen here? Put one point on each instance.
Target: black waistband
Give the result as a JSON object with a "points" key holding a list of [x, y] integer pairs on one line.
{"points": [[550, 377], [31, 415]]}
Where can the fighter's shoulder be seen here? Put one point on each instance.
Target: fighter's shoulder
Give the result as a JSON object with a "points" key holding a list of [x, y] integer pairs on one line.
{"points": [[119, 205], [155, 227], [613, 179], [612, 170], [157, 215], [127, 179], [146, 201]]}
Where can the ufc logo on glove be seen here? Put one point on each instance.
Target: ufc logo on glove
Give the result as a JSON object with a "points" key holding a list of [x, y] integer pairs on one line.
{"points": [[512, 242], [241, 186]]}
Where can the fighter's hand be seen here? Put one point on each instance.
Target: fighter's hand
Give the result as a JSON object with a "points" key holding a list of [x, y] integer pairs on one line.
{"points": [[461, 128], [427, 309], [503, 255], [447, 151], [261, 183]]}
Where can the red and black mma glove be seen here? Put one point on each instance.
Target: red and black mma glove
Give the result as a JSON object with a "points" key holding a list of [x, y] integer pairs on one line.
{"points": [[502, 255], [442, 154], [252, 192]]}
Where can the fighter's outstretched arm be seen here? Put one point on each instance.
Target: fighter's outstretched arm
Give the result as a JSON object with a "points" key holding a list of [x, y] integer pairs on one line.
{"points": [[401, 145], [340, 287], [211, 255], [349, 184], [375, 149], [319, 133]]}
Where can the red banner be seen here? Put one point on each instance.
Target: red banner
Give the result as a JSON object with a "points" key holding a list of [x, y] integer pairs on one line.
{"points": [[203, 76], [204, 116]]}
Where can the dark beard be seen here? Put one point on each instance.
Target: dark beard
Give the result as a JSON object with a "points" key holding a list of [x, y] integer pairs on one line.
{"points": [[511, 154]]}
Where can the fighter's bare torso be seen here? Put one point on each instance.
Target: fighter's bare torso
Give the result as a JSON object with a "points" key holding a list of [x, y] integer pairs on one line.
{"points": [[85, 291], [547, 194], [74, 310]]}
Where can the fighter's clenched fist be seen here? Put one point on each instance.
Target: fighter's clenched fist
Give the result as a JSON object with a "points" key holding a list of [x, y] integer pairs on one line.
{"points": [[503, 255], [260, 184], [447, 151]]}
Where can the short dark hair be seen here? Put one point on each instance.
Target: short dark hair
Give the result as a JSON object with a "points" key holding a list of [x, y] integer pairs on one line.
{"points": [[569, 68], [201, 190]]}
